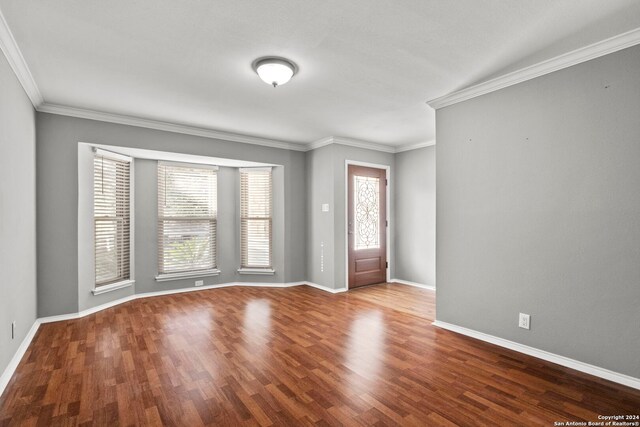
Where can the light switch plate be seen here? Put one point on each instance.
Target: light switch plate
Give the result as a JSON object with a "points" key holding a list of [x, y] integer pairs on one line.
{"points": [[325, 207]]}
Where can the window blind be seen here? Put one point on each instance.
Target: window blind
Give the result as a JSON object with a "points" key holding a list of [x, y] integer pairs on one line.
{"points": [[112, 221], [255, 218], [187, 218]]}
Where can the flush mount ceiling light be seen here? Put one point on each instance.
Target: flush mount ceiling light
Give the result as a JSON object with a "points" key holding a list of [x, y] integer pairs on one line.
{"points": [[274, 70]]}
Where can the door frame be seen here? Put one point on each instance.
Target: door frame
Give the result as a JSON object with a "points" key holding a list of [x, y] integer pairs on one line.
{"points": [[387, 170]]}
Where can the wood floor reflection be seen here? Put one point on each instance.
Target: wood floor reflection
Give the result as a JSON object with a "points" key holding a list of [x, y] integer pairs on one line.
{"points": [[294, 356]]}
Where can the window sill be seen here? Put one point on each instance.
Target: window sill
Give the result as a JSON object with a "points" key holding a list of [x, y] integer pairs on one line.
{"points": [[187, 275], [257, 271], [112, 287]]}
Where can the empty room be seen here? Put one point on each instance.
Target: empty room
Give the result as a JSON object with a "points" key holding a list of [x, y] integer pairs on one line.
{"points": [[233, 212]]}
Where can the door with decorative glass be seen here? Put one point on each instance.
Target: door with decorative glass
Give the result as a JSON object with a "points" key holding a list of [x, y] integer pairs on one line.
{"points": [[367, 225]]}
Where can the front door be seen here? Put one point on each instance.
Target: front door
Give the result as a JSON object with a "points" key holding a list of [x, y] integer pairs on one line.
{"points": [[367, 225]]}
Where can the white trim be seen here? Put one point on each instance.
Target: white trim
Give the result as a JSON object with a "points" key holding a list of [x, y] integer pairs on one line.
{"points": [[351, 143], [367, 164], [165, 277], [122, 119], [257, 168], [88, 311], [180, 158], [71, 316], [408, 147], [583, 54], [112, 287], [171, 163], [322, 142], [110, 304], [208, 287], [18, 64], [17, 357], [387, 169], [541, 354], [544, 355], [414, 284], [325, 288], [257, 271], [128, 120], [111, 154], [132, 221], [363, 144]]}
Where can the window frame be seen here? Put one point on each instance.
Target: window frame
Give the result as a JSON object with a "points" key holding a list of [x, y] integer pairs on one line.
{"points": [[121, 282], [254, 269], [184, 274]]}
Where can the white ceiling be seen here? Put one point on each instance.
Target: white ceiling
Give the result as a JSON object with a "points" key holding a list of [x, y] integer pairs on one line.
{"points": [[367, 67]]}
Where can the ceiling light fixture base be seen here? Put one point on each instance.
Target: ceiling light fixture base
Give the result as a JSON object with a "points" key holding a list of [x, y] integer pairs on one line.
{"points": [[274, 70]]}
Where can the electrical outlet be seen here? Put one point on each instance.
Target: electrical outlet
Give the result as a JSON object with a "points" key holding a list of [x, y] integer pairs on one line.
{"points": [[13, 329], [199, 282], [524, 321]]}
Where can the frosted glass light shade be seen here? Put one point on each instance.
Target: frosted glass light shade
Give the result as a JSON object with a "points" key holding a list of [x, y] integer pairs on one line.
{"points": [[274, 71]]}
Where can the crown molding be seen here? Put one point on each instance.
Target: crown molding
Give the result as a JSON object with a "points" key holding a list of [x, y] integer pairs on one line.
{"points": [[17, 63], [363, 144], [409, 147], [320, 143], [166, 126], [593, 51], [20, 68], [351, 143], [122, 119]]}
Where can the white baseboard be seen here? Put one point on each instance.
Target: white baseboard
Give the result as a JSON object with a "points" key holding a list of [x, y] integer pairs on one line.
{"points": [[17, 357], [88, 311], [110, 304], [9, 371], [544, 355], [417, 285], [325, 288]]}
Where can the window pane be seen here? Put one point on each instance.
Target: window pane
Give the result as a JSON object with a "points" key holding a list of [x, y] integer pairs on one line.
{"points": [[256, 221], [188, 245], [189, 192], [257, 242], [367, 212], [106, 241], [111, 219], [187, 214]]}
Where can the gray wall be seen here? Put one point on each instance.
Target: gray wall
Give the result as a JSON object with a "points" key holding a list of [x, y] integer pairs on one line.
{"points": [[538, 205], [57, 189], [17, 213], [415, 224], [326, 169], [321, 231]]}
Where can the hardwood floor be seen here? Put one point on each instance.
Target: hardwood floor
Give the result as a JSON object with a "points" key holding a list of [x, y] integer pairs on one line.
{"points": [[293, 356]]}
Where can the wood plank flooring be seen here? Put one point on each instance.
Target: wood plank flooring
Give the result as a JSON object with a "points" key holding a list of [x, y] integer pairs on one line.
{"points": [[293, 356]]}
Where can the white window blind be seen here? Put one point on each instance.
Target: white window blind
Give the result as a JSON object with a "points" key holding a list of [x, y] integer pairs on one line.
{"points": [[187, 218], [112, 221], [255, 217]]}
